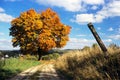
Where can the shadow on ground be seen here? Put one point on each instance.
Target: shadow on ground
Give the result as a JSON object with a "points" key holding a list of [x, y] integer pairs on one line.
{"points": [[7, 74], [46, 76]]}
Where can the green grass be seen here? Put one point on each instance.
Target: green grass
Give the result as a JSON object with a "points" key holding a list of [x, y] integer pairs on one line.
{"points": [[14, 66]]}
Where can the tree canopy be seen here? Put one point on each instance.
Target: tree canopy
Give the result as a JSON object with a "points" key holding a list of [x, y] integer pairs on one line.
{"points": [[32, 30]]}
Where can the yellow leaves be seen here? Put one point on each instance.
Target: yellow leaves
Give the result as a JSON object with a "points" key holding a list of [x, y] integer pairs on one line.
{"points": [[46, 41], [50, 18], [66, 30], [62, 43], [31, 12], [38, 25], [27, 28], [16, 22], [32, 30], [22, 39], [14, 40]]}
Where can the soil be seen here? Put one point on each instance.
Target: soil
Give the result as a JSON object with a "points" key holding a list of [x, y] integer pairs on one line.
{"points": [[44, 71]]}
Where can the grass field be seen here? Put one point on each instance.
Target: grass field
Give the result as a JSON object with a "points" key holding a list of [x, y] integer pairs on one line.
{"points": [[13, 66], [90, 64]]}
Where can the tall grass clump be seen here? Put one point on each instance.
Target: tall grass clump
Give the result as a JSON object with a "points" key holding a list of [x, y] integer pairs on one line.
{"points": [[90, 64]]}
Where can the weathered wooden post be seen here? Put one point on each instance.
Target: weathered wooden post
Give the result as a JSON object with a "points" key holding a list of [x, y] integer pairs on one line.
{"points": [[98, 39]]}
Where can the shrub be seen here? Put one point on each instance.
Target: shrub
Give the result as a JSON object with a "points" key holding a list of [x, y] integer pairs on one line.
{"points": [[51, 56], [28, 57]]}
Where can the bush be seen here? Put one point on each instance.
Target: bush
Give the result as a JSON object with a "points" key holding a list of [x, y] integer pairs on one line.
{"points": [[51, 56], [30, 57]]}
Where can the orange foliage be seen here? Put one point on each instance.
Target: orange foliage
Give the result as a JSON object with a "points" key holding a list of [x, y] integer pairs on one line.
{"points": [[31, 31]]}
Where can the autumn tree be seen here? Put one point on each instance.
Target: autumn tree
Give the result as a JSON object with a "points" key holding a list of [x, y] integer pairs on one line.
{"points": [[33, 31]]}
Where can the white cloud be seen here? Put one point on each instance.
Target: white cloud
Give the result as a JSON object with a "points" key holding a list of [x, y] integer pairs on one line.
{"points": [[81, 35], [94, 7], [12, 0], [1, 34], [107, 40], [115, 37], [6, 44], [94, 2], [84, 18], [119, 29], [110, 29], [2, 10], [81, 40], [5, 17], [111, 9], [78, 43], [70, 5], [99, 28]]}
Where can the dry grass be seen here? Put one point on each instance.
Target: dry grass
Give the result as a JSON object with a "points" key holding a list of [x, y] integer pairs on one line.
{"points": [[90, 64]]}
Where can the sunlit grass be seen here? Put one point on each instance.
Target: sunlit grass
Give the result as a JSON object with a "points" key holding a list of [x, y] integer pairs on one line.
{"points": [[14, 66], [90, 64]]}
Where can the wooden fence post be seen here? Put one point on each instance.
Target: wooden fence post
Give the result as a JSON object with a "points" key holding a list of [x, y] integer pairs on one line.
{"points": [[98, 39]]}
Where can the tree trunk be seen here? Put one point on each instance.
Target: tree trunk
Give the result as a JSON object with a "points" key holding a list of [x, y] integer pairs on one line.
{"points": [[39, 56], [40, 53]]}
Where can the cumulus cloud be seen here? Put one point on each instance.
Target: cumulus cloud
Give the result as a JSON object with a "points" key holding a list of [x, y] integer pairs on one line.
{"points": [[2, 10], [110, 29], [111, 9], [107, 40], [6, 44], [83, 18], [94, 7], [1, 34], [94, 2], [78, 43], [115, 37], [86, 18], [5, 17], [70, 5]]}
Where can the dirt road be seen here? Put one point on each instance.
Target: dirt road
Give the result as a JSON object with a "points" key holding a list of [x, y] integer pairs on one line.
{"points": [[45, 71]]}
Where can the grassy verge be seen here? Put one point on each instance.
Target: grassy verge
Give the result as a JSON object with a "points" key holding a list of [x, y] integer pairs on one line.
{"points": [[90, 64], [14, 66]]}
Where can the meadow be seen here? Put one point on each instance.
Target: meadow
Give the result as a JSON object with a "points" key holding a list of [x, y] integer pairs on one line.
{"points": [[12, 66], [90, 63]]}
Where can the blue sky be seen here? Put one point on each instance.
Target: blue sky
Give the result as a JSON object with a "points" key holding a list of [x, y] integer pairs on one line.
{"points": [[104, 14]]}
